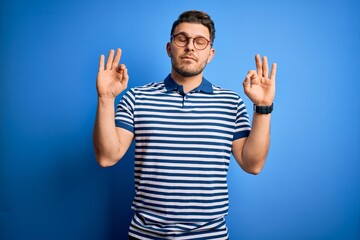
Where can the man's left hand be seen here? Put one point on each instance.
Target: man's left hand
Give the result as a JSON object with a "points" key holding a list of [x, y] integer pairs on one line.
{"points": [[258, 86]]}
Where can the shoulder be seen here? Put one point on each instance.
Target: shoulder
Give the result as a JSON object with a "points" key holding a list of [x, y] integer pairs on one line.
{"points": [[225, 93], [149, 87]]}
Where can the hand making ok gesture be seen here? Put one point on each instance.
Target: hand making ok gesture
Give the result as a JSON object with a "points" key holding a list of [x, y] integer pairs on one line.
{"points": [[112, 78], [258, 86]]}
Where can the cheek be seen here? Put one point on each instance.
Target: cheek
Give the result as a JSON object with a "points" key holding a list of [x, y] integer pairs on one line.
{"points": [[172, 53]]}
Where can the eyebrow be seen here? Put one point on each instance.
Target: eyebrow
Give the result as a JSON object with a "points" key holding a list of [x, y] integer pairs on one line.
{"points": [[188, 35]]}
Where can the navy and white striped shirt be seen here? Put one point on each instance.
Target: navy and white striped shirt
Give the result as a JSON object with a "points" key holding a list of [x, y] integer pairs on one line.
{"points": [[183, 146]]}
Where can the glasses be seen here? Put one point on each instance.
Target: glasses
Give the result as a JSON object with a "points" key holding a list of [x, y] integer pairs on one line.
{"points": [[181, 40]]}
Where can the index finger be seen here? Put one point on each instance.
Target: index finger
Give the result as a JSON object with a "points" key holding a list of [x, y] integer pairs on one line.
{"points": [[258, 64]]}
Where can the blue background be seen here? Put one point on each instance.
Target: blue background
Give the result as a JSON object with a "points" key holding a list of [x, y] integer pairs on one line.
{"points": [[51, 186]]}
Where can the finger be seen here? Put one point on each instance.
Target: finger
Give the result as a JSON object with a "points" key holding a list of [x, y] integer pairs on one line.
{"points": [[116, 59], [253, 77], [273, 71], [120, 68], [101, 63], [247, 81], [125, 78], [265, 67], [247, 84], [110, 59], [258, 64]]}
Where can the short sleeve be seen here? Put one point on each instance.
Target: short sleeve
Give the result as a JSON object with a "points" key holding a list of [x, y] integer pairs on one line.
{"points": [[242, 123], [124, 115]]}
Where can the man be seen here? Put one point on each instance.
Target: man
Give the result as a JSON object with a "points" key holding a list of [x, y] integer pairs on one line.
{"points": [[185, 129]]}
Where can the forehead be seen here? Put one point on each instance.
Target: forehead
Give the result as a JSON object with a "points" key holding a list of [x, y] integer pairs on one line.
{"points": [[192, 29]]}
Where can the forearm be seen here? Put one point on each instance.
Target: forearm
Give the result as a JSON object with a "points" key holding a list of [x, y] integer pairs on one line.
{"points": [[106, 140], [257, 144]]}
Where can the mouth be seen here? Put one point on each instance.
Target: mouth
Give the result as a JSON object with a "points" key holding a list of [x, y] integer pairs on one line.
{"points": [[188, 58]]}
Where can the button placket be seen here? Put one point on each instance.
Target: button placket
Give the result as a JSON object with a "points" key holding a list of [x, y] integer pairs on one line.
{"points": [[186, 100]]}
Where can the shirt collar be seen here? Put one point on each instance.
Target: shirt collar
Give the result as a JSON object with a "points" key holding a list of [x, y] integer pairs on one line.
{"points": [[171, 85]]}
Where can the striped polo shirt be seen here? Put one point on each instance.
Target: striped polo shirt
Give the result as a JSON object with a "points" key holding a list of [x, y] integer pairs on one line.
{"points": [[182, 151]]}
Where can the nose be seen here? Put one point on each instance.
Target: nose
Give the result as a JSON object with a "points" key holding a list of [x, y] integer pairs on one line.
{"points": [[190, 45]]}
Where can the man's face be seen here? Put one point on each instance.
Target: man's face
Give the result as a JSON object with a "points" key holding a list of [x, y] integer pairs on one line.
{"points": [[188, 61]]}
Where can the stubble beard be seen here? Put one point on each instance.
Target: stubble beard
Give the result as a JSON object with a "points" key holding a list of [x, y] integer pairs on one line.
{"points": [[187, 72]]}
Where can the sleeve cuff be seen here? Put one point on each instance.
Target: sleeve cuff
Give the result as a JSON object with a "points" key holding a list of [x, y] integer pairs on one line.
{"points": [[124, 126], [241, 134]]}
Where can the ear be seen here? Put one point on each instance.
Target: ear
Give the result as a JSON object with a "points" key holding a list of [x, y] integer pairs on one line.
{"points": [[168, 49], [211, 55]]}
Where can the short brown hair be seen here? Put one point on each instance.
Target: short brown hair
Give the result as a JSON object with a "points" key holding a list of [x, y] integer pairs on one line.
{"points": [[194, 16]]}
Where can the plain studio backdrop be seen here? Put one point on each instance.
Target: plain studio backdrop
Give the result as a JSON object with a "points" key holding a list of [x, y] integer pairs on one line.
{"points": [[51, 185]]}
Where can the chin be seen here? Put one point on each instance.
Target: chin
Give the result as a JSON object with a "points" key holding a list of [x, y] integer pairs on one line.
{"points": [[187, 72]]}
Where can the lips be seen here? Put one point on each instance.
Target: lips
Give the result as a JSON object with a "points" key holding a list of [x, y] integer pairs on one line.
{"points": [[188, 57]]}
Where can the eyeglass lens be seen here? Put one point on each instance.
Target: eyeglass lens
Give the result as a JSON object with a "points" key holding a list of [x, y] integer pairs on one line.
{"points": [[182, 40]]}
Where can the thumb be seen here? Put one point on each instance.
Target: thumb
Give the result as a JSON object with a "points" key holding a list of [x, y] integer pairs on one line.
{"points": [[246, 83], [249, 79], [125, 79]]}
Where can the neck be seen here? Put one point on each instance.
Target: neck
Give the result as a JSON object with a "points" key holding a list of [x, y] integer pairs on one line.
{"points": [[188, 83]]}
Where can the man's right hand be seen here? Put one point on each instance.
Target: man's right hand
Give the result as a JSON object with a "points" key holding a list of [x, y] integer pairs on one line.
{"points": [[112, 78]]}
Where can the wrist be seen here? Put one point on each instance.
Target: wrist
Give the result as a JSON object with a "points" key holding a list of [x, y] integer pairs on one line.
{"points": [[106, 100], [263, 109]]}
